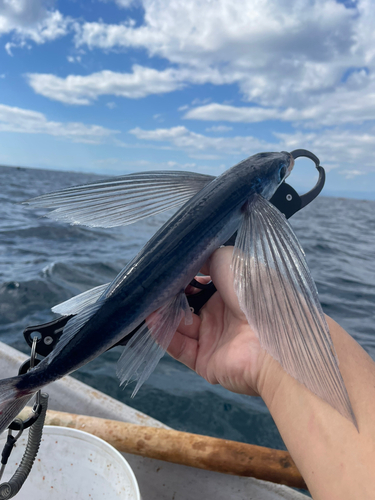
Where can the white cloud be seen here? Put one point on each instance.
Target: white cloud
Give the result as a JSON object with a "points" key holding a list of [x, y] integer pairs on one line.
{"points": [[9, 46], [198, 102], [76, 89], [193, 143], [219, 128], [26, 121], [271, 48], [74, 59], [353, 102], [111, 105], [350, 174], [125, 4], [31, 20], [118, 166], [217, 31], [224, 112], [310, 63], [289, 59], [336, 148], [347, 151]]}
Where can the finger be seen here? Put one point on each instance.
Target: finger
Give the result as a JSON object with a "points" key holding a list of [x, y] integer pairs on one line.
{"points": [[222, 275], [191, 331], [184, 349], [191, 289], [206, 267]]}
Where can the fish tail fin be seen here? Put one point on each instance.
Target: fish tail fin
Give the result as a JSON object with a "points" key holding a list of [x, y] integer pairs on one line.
{"points": [[13, 398]]}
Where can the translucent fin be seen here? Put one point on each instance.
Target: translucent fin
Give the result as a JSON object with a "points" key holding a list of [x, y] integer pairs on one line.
{"points": [[147, 347], [122, 200], [77, 304], [12, 400], [74, 325], [280, 300]]}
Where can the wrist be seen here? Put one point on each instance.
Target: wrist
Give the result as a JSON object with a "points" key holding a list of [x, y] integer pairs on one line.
{"points": [[271, 378], [335, 459]]}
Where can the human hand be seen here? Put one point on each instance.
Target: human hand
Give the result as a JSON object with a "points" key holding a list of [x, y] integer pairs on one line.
{"points": [[220, 345]]}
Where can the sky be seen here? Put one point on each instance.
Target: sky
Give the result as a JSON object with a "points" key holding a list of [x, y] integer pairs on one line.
{"points": [[118, 86]]}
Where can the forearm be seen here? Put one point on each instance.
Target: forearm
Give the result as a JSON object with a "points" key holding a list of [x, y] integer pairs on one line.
{"points": [[336, 461]]}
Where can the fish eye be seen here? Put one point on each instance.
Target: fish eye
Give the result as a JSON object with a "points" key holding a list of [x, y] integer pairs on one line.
{"points": [[282, 172]]}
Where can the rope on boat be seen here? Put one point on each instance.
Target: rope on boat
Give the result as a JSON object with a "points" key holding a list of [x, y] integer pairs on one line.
{"points": [[12, 487]]}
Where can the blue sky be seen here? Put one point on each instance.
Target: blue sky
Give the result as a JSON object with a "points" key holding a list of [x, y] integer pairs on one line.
{"points": [[116, 86]]}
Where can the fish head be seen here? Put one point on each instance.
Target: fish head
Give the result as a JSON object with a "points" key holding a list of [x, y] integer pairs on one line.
{"points": [[269, 170]]}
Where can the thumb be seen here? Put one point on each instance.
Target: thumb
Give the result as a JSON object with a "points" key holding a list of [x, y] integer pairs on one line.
{"points": [[220, 264]]}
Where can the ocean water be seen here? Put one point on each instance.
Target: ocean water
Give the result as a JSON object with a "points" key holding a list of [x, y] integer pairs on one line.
{"points": [[43, 263]]}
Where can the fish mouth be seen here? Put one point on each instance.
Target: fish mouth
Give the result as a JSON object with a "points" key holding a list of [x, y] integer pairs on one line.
{"points": [[291, 163]]}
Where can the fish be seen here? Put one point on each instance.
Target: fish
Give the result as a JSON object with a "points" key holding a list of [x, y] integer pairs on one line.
{"points": [[271, 277]]}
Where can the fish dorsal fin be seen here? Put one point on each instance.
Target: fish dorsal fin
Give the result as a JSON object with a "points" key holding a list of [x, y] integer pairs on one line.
{"points": [[119, 201], [78, 303], [280, 300], [147, 347]]}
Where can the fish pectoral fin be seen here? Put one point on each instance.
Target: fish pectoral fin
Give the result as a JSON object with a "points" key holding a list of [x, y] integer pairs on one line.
{"points": [[143, 351], [122, 200], [79, 302], [280, 300]]}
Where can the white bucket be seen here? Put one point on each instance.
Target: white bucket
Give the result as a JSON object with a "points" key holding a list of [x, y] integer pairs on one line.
{"points": [[73, 465]]}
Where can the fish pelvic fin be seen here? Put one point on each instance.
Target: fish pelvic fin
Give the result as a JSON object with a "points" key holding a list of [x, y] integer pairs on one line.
{"points": [[14, 395], [280, 300], [144, 351]]}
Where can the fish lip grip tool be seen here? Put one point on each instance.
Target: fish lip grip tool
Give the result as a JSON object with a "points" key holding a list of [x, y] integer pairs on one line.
{"points": [[285, 199]]}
